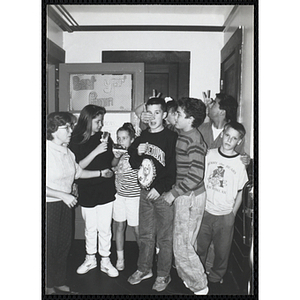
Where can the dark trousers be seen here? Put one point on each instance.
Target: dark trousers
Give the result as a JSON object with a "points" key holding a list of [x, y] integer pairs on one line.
{"points": [[218, 229], [58, 242], [156, 221]]}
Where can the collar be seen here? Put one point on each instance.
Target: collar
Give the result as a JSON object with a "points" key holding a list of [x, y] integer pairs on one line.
{"points": [[56, 147]]}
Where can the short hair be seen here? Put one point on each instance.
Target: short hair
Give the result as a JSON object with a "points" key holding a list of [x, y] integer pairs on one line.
{"points": [[193, 108], [236, 126], [56, 119], [172, 104], [159, 101], [129, 128], [229, 104]]}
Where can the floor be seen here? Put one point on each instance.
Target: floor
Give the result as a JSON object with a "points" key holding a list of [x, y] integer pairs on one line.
{"points": [[96, 282]]}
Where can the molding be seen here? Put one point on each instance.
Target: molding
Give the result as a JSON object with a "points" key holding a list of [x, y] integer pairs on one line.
{"points": [[230, 16], [148, 28]]}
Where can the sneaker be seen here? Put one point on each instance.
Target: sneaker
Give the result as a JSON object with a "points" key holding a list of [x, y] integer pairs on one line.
{"points": [[89, 264], [161, 283], [120, 264], [202, 292], [109, 269], [138, 276]]}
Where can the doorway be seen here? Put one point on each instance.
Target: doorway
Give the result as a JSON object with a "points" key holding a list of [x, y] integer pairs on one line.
{"points": [[166, 72], [230, 83]]}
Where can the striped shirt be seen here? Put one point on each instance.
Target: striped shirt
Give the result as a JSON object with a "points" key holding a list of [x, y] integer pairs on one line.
{"points": [[190, 162], [126, 178]]}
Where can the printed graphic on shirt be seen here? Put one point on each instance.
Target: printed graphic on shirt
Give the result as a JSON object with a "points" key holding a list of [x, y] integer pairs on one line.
{"points": [[216, 179], [123, 166], [157, 153], [146, 173]]}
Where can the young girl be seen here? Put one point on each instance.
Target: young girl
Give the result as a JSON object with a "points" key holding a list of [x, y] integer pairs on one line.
{"points": [[126, 205], [61, 170], [96, 195]]}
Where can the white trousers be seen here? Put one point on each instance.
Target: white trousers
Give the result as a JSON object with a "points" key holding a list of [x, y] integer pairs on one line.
{"points": [[98, 224]]}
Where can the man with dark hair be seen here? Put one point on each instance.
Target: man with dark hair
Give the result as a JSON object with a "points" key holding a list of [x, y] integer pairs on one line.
{"points": [[220, 111]]}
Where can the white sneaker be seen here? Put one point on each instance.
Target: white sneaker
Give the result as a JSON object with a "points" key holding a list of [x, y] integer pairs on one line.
{"points": [[89, 263], [109, 269], [202, 292], [120, 264]]}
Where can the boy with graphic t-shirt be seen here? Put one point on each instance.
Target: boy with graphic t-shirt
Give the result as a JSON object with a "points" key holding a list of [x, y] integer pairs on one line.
{"points": [[225, 177], [153, 152]]}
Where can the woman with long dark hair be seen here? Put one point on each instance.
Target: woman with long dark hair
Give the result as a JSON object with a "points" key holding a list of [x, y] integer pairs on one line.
{"points": [[93, 151]]}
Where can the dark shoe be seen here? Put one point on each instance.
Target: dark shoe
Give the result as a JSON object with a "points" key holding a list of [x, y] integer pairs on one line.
{"points": [[215, 288]]}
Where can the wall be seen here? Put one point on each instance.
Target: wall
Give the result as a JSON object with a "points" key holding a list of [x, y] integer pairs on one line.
{"points": [[54, 33], [244, 17], [86, 47]]}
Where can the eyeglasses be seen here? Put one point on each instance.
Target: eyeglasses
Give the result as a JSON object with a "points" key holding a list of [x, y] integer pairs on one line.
{"points": [[67, 126]]}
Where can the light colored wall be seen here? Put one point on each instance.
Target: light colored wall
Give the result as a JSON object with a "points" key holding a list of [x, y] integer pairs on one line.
{"points": [[244, 16], [54, 33], [86, 47]]}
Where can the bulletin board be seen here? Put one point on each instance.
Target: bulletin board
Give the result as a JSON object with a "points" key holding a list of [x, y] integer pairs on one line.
{"points": [[119, 87], [112, 91]]}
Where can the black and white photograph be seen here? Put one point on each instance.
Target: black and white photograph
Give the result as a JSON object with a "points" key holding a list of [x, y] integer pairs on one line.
{"points": [[149, 147]]}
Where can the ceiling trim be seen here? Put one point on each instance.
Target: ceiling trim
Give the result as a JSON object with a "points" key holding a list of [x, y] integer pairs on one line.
{"points": [[148, 28], [58, 19]]}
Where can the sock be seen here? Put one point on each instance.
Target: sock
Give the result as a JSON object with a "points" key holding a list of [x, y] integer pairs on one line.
{"points": [[120, 254], [105, 260]]}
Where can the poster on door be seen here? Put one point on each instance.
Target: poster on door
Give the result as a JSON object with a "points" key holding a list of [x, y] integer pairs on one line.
{"points": [[114, 92]]}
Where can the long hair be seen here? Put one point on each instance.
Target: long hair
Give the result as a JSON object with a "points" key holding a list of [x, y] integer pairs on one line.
{"points": [[83, 127], [56, 119]]}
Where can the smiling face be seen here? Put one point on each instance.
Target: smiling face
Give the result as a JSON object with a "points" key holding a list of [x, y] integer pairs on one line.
{"points": [[230, 139], [156, 123], [97, 124]]}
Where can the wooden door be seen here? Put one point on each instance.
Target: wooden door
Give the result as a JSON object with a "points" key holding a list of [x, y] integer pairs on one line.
{"points": [[239, 265], [231, 66], [167, 72], [162, 78]]}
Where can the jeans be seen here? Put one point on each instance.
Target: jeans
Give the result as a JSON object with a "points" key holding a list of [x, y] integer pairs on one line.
{"points": [[188, 215], [218, 229], [156, 221]]}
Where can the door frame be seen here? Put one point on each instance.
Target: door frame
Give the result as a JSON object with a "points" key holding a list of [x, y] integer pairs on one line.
{"points": [[233, 48]]}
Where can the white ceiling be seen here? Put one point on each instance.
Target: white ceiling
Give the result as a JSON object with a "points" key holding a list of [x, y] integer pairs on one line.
{"points": [[198, 15]]}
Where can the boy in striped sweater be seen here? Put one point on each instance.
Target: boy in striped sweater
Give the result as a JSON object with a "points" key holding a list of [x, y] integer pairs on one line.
{"points": [[188, 193]]}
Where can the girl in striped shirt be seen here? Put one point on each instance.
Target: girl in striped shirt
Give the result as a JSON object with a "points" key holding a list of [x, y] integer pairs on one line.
{"points": [[126, 205]]}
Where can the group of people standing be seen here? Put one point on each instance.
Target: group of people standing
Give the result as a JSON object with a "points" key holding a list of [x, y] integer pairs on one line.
{"points": [[178, 184]]}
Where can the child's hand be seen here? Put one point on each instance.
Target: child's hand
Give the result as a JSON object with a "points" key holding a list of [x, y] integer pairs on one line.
{"points": [[153, 194], [117, 153], [169, 198], [142, 148], [107, 173], [245, 158]]}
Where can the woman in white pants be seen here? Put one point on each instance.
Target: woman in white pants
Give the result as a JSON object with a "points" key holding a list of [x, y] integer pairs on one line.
{"points": [[96, 196]]}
